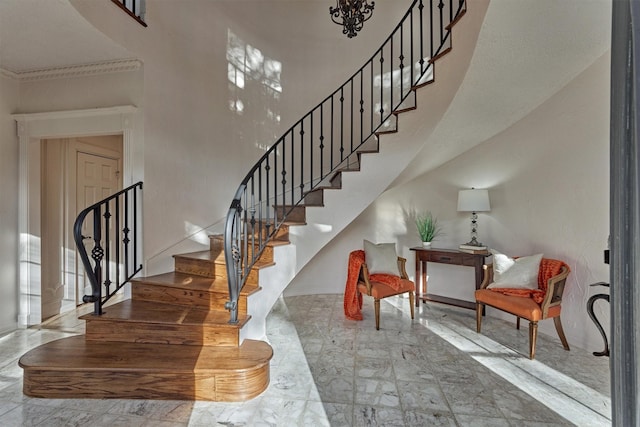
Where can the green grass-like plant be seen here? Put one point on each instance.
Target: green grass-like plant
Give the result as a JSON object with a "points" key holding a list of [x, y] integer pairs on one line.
{"points": [[427, 226]]}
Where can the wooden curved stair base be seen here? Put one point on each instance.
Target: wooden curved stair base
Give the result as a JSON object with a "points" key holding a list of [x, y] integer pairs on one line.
{"points": [[76, 368]]}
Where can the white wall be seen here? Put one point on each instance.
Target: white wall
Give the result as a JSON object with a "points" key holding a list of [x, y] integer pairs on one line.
{"points": [[76, 93], [9, 206], [548, 176]]}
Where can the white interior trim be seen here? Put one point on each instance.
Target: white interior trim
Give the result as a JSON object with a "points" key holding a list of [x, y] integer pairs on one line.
{"points": [[81, 70]]}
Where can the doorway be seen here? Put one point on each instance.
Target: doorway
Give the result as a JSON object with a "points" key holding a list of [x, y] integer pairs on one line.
{"points": [[76, 172], [32, 128]]}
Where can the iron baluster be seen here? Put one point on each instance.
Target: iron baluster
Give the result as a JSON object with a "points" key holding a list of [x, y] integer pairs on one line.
{"points": [[341, 123], [441, 6], [117, 238], [321, 142], [125, 236], [371, 106], [362, 139], [381, 88], [332, 127], [431, 28]]}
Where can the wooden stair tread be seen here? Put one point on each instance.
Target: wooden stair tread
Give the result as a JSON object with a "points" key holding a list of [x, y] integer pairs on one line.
{"points": [[167, 314], [75, 354], [206, 256], [193, 282]]}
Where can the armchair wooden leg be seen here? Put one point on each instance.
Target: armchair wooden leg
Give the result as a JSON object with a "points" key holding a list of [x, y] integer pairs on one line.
{"points": [[479, 308], [563, 339], [517, 322], [376, 305], [533, 336], [411, 300]]}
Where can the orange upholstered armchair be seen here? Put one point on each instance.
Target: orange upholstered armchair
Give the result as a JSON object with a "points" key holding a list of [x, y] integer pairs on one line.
{"points": [[532, 304], [376, 271], [379, 288]]}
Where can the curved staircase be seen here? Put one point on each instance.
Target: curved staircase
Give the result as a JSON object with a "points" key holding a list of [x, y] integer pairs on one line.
{"points": [[173, 339]]}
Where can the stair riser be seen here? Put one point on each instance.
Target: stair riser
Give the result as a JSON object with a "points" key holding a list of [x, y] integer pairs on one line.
{"points": [[149, 333], [113, 384], [297, 214], [314, 198], [217, 247], [202, 268], [205, 300], [210, 269]]}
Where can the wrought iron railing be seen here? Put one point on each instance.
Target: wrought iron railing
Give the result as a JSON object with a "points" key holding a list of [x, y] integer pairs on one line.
{"points": [[326, 139], [112, 230], [134, 8]]}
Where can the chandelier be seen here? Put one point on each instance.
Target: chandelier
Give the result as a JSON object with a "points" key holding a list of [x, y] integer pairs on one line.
{"points": [[351, 14]]}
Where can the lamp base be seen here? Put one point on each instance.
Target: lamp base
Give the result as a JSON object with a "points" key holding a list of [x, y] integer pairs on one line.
{"points": [[474, 246], [474, 242]]}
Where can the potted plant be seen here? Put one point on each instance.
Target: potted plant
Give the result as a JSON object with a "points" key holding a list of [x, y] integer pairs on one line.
{"points": [[428, 227]]}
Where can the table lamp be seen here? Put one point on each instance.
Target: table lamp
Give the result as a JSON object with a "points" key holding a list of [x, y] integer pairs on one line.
{"points": [[473, 201]]}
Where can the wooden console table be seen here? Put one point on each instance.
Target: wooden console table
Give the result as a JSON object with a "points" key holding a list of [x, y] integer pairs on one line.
{"points": [[445, 256]]}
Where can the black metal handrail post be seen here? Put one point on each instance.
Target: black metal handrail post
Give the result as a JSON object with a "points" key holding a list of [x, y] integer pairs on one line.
{"points": [[253, 221], [111, 250]]}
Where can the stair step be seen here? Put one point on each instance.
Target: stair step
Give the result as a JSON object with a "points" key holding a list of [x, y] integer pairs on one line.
{"points": [[76, 368], [203, 264], [295, 214], [314, 197], [160, 323], [188, 290]]}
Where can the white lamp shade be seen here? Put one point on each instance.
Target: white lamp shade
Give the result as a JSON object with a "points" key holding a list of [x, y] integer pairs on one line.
{"points": [[473, 201]]}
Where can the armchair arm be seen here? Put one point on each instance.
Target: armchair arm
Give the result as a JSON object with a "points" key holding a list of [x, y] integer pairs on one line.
{"points": [[555, 288], [487, 277], [363, 276], [401, 267]]}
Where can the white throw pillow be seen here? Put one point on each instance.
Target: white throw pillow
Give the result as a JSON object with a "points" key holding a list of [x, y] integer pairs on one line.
{"points": [[521, 273], [381, 258]]}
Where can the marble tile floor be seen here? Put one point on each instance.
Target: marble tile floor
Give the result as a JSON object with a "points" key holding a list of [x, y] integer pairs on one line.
{"points": [[329, 371]]}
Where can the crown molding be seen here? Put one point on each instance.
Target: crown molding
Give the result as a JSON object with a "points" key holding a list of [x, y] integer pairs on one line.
{"points": [[9, 74], [118, 66], [74, 114]]}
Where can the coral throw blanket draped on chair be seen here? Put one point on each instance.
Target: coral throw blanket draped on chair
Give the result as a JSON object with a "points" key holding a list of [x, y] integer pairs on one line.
{"points": [[352, 298]]}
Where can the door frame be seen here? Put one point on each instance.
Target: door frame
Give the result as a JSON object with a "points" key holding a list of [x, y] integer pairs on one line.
{"points": [[32, 128]]}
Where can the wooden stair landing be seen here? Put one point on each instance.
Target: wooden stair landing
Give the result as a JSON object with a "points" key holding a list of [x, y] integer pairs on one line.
{"points": [[77, 368]]}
